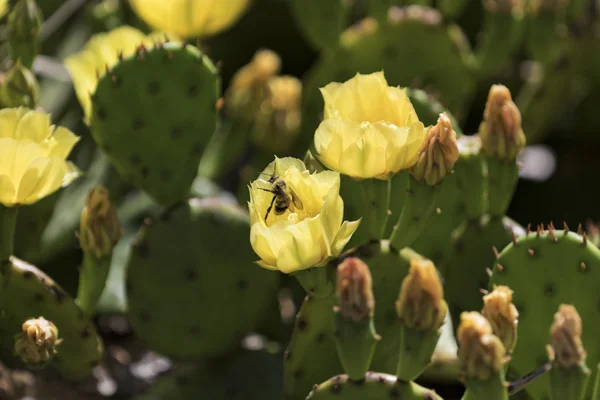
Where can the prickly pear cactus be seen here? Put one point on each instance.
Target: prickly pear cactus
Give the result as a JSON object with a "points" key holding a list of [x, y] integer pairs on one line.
{"points": [[312, 343], [31, 293], [192, 287], [151, 106], [545, 269]]}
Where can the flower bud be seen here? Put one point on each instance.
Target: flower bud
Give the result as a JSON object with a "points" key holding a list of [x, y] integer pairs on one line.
{"points": [[355, 290], [248, 88], [99, 226], [566, 349], [277, 122], [37, 342], [24, 24], [19, 88], [503, 6], [502, 315], [421, 304], [501, 131], [438, 153], [480, 353]]}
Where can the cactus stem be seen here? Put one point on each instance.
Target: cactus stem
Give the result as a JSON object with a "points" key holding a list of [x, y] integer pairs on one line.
{"points": [[531, 252], [496, 252]]}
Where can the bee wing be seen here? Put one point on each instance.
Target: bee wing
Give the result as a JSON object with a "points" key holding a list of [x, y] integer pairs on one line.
{"points": [[296, 200]]}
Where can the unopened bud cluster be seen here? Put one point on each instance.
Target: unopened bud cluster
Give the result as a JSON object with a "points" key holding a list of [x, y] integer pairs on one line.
{"points": [[501, 131], [481, 354], [566, 349], [36, 344], [438, 154], [355, 290], [100, 229], [421, 304], [502, 316]]}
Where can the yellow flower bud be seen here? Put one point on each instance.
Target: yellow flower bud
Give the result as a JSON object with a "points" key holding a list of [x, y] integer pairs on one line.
{"points": [[438, 153], [370, 129], [190, 18], [502, 315], [355, 290], [566, 349], [480, 353], [248, 88], [277, 123], [99, 229], [102, 51], [33, 156], [296, 217], [37, 342], [421, 302], [501, 131]]}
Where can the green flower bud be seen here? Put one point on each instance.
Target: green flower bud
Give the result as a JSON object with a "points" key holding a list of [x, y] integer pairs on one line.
{"points": [[36, 343], [480, 353], [501, 132], [99, 229], [502, 316], [24, 23], [438, 153], [421, 304], [19, 88], [355, 290]]}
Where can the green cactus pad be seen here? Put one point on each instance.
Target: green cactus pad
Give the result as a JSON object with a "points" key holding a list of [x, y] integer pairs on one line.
{"points": [[375, 386], [471, 256], [247, 375], [311, 356], [153, 113], [30, 294], [444, 68], [546, 269], [193, 288], [321, 21]]}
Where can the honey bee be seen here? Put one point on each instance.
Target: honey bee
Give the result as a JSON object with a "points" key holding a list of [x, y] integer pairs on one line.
{"points": [[284, 197]]}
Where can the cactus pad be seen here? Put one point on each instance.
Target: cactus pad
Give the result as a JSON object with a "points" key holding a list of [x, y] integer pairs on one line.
{"points": [[192, 287], [545, 269], [153, 113], [375, 386], [31, 293]]}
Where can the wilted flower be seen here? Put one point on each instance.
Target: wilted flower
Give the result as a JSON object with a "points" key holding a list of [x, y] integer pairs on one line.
{"points": [[190, 18], [101, 52], [438, 153], [300, 225], [370, 129], [480, 353], [566, 348], [33, 162], [355, 290], [37, 341], [502, 315], [421, 302], [99, 228]]}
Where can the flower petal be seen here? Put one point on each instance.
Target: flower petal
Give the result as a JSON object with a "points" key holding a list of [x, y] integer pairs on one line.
{"points": [[303, 246], [343, 236], [33, 125], [9, 117], [60, 143], [7, 191], [32, 179]]}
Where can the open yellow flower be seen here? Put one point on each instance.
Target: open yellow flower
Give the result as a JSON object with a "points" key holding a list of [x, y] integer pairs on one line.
{"points": [[190, 18], [101, 52], [308, 232], [32, 156], [370, 129]]}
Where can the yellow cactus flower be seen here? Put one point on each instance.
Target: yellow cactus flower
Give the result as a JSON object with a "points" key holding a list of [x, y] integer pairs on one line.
{"points": [[296, 217], [3, 8], [370, 129], [32, 156], [190, 18], [101, 52]]}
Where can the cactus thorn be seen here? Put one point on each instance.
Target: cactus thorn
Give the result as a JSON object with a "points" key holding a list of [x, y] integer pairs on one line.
{"points": [[120, 55], [584, 238], [483, 291], [409, 192], [489, 272], [220, 103], [500, 267], [540, 230], [552, 235], [389, 212], [514, 238], [551, 226], [496, 252], [438, 210], [395, 227], [528, 229], [583, 266], [580, 230], [531, 252], [566, 227]]}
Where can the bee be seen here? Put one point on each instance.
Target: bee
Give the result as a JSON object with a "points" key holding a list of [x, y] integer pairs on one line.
{"points": [[284, 197]]}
